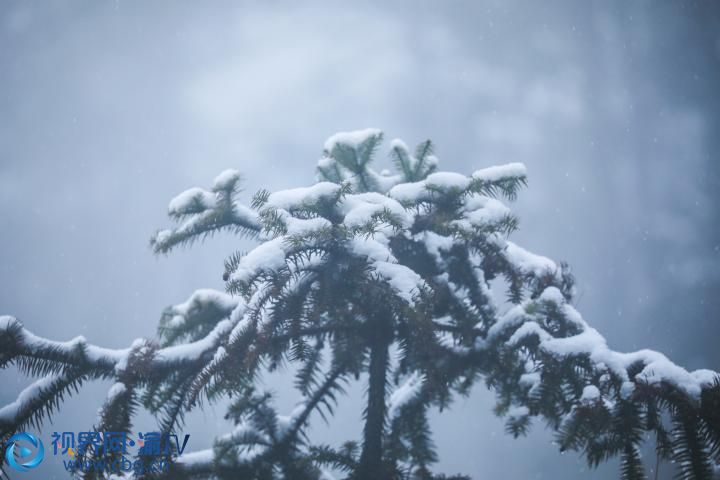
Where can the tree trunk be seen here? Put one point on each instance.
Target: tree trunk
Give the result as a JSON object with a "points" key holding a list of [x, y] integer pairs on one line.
{"points": [[371, 467]]}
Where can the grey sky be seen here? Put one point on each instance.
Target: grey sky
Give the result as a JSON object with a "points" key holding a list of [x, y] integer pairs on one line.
{"points": [[110, 108]]}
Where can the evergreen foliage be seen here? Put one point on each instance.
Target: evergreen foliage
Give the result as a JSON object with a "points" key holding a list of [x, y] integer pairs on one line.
{"points": [[383, 278]]}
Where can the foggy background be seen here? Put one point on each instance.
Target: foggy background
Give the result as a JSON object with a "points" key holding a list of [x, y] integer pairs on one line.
{"points": [[110, 108]]}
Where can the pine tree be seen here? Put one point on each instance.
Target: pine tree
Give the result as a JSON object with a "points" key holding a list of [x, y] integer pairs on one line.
{"points": [[385, 279]]}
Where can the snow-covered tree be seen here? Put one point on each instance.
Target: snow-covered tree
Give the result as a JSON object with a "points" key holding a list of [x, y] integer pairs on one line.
{"points": [[386, 279]]}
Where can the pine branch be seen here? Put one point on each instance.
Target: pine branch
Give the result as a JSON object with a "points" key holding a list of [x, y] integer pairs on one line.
{"points": [[38, 401], [203, 213], [350, 268]]}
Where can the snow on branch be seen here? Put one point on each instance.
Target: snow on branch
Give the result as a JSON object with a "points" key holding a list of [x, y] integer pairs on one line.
{"points": [[525, 322], [202, 213], [50, 355], [403, 280], [196, 317], [190, 352], [198, 462], [501, 172], [28, 400], [405, 393]]}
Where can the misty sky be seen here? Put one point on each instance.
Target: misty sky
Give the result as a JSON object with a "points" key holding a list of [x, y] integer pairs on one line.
{"points": [[110, 108]]}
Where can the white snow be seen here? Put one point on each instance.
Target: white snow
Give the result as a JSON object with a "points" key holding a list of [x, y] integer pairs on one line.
{"points": [[590, 395], [493, 174], [408, 192], [220, 355], [7, 321], [417, 191], [33, 341], [193, 351], [529, 263], [412, 192], [326, 162], [303, 226], [226, 180], [267, 256], [186, 201], [118, 388], [123, 360], [326, 475], [245, 453], [198, 457], [286, 422], [207, 220], [297, 197], [358, 209], [383, 182], [518, 324], [93, 353], [163, 237], [627, 389], [9, 412], [400, 145], [518, 412], [515, 316], [351, 139], [528, 329], [96, 354], [660, 369], [657, 367], [585, 342], [431, 161], [447, 181], [435, 244], [481, 211], [476, 260], [402, 279], [705, 377], [248, 454], [362, 213], [243, 315], [199, 300], [476, 202], [552, 294], [408, 390], [532, 380]]}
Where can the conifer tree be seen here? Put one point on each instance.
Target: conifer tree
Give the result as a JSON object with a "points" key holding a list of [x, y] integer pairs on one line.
{"points": [[384, 279]]}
